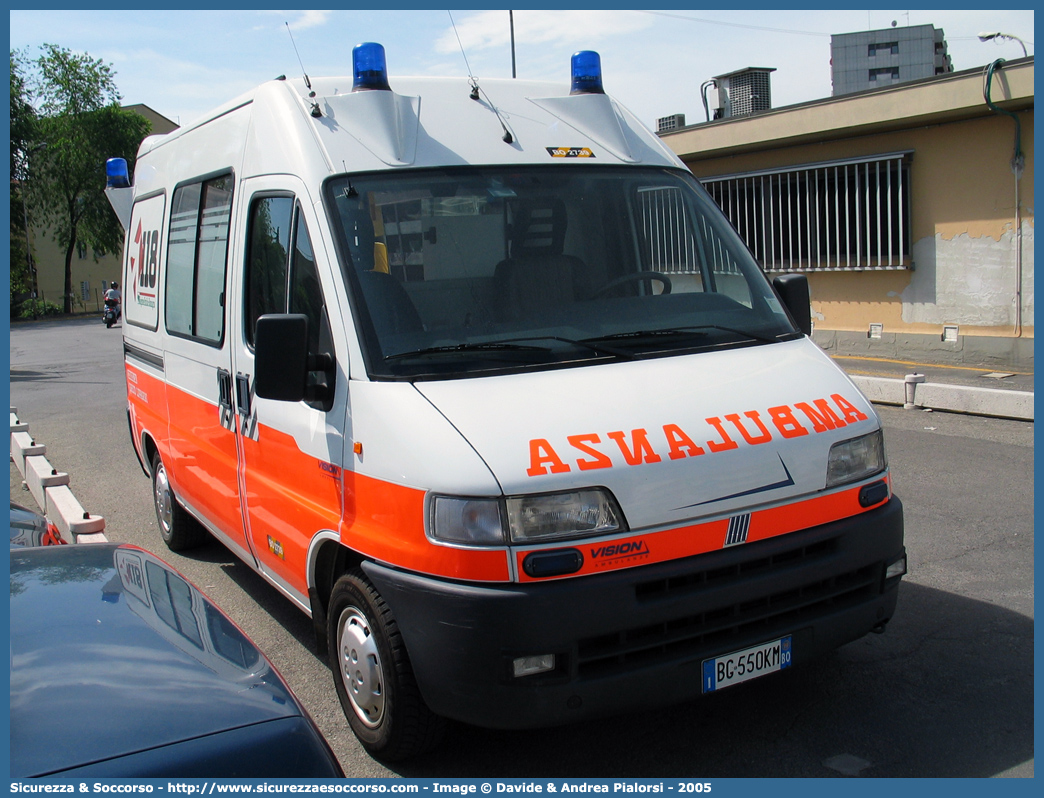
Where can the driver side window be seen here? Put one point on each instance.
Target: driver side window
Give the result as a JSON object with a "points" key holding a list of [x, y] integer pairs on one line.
{"points": [[281, 276]]}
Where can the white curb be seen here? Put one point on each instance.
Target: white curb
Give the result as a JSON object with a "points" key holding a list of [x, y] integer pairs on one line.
{"points": [[50, 488], [955, 398]]}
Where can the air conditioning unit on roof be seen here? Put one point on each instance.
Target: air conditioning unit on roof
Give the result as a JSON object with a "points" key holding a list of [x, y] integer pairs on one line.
{"points": [[666, 124]]}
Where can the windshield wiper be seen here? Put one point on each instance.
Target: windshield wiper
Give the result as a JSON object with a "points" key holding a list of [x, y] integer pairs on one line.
{"points": [[484, 346], [511, 345], [683, 332], [586, 343]]}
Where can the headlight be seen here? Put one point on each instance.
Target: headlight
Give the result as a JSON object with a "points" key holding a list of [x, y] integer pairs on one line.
{"points": [[559, 516], [856, 459], [525, 519]]}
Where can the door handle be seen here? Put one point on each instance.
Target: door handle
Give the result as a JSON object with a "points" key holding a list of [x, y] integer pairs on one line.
{"points": [[243, 394], [243, 403], [224, 378]]}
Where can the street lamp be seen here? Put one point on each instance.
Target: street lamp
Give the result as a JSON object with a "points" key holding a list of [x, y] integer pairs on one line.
{"points": [[989, 35]]}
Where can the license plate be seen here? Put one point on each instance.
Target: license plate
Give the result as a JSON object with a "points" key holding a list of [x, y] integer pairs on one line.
{"points": [[739, 666]]}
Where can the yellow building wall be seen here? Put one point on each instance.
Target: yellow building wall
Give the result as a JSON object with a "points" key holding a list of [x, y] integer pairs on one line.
{"points": [[50, 274], [963, 227]]}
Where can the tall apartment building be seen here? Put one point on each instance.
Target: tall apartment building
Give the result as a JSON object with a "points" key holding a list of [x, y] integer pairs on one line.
{"points": [[875, 58]]}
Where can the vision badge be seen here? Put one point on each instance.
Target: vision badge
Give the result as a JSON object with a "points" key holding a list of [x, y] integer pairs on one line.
{"points": [[613, 554]]}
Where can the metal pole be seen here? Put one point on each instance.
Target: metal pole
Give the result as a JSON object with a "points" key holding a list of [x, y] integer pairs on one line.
{"points": [[511, 20]]}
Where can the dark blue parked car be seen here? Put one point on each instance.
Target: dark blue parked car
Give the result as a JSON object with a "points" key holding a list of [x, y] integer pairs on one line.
{"points": [[120, 667]]}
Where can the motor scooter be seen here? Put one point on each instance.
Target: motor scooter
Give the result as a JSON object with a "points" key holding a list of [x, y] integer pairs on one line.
{"points": [[112, 313]]}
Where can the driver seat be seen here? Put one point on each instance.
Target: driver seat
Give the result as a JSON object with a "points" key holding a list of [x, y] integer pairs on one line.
{"points": [[537, 276]]}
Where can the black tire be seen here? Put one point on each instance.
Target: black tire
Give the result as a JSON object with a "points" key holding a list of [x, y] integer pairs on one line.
{"points": [[373, 675], [179, 530], [108, 323]]}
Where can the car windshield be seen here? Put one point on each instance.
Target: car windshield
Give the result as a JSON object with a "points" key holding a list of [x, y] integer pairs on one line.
{"points": [[468, 271]]}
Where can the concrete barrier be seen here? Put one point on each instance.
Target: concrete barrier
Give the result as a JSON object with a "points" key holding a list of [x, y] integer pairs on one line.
{"points": [[70, 518], [23, 446], [50, 488], [996, 402], [39, 476]]}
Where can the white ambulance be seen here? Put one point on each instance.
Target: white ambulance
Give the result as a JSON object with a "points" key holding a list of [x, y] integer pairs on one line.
{"points": [[477, 375]]}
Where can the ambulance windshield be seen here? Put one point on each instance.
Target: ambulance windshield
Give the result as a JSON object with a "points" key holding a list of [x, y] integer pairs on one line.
{"points": [[468, 271]]}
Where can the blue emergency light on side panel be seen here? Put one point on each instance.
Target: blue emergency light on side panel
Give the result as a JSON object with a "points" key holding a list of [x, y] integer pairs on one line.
{"points": [[587, 73], [370, 68], [116, 174]]}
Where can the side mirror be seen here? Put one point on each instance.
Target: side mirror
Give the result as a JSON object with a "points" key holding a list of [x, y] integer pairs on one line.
{"points": [[792, 290], [281, 357]]}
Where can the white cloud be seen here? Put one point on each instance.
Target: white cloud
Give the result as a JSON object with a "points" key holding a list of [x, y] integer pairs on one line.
{"points": [[297, 20], [310, 19], [491, 29]]}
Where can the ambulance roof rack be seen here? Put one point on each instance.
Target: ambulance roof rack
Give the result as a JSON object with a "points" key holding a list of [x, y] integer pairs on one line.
{"points": [[370, 68], [587, 73]]}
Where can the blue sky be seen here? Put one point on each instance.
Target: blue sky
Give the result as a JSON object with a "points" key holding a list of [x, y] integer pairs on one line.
{"points": [[182, 63]]}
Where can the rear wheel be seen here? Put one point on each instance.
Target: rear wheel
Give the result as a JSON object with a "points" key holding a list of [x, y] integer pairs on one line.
{"points": [[178, 529], [373, 675]]}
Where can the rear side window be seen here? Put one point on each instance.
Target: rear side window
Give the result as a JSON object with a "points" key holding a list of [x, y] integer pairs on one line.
{"points": [[197, 252]]}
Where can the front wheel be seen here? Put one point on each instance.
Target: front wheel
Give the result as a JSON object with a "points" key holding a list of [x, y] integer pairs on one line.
{"points": [[178, 529], [373, 675]]}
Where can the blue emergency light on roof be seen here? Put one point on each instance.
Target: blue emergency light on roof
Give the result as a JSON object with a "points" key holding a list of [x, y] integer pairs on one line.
{"points": [[371, 70], [116, 174], [587, 73]]}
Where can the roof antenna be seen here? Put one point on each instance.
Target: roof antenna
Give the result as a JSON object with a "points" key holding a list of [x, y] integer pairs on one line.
{"points": [[316, 112], [474, 82], [350, 191], [507, 137]]}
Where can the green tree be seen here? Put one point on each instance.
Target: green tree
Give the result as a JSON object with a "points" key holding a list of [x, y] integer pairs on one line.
{"points": [[23, 135], [82, 125], [23, 117]]}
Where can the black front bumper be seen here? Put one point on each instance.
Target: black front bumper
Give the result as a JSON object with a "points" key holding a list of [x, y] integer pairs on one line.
{"points": [[637, 638]]}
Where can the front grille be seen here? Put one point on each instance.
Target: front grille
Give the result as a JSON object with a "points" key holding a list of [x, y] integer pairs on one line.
{"points": [[711, 630], [695, 580]]}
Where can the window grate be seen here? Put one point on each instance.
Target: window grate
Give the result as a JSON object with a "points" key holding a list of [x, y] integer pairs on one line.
{"points": [[669, 240], [672, 244], [844, 215]]}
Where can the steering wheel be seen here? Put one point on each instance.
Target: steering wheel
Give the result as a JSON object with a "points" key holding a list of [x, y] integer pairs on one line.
{"points": [[636, 277]]}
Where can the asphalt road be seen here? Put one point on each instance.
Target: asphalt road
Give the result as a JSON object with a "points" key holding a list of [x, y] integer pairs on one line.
{"points": [[947, 691]]}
